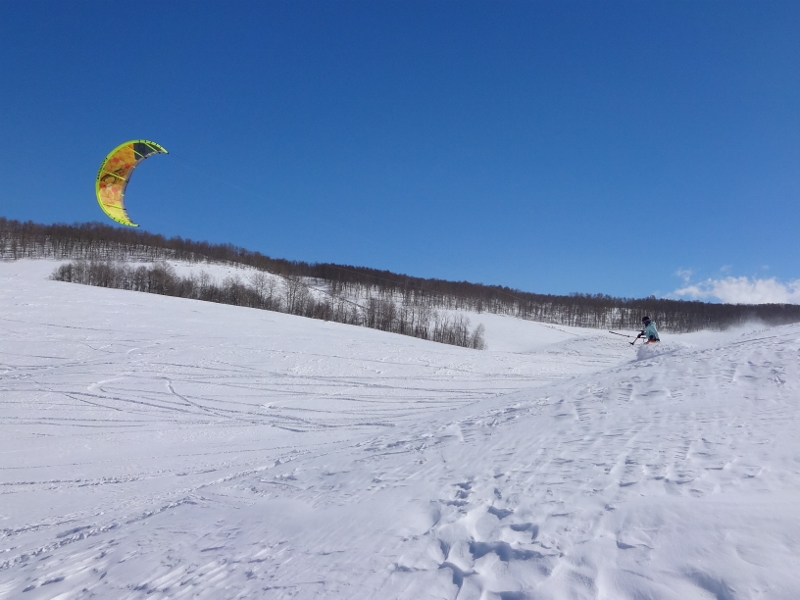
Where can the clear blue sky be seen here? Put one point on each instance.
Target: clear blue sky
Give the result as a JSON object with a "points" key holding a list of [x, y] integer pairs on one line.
{"points": [[549, 146]]}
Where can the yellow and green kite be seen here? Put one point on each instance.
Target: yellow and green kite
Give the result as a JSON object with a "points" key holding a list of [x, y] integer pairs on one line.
{"points": [[115, 172]]}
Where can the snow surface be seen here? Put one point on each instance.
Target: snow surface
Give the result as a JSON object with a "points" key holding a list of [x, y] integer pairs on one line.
{"points": [[155, 447]]}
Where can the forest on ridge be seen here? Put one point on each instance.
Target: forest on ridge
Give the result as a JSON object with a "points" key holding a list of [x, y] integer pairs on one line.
{"points": [[348, 294]]}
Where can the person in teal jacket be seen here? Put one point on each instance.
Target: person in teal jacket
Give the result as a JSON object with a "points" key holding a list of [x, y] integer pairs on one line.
{"points": [[650, 333]]}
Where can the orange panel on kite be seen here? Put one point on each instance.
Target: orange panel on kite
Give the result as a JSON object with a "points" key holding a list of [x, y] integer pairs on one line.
{"points": [[115, 172]]}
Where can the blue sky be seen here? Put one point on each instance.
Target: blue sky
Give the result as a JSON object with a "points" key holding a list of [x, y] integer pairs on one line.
{"points": [[554, 147]]}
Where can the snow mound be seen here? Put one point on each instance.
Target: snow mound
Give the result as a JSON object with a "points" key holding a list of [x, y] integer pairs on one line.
{"points": [[647, 351]]}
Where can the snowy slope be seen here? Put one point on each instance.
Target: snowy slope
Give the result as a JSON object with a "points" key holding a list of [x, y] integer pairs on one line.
{"points": [[154, 447]]}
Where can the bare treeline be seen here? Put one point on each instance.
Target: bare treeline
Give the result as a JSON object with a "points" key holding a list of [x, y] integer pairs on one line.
{"points": [[98, 242], [289, 295]]}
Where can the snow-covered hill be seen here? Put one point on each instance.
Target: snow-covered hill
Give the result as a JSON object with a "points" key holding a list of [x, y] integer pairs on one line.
{"points": [[153, 447]]}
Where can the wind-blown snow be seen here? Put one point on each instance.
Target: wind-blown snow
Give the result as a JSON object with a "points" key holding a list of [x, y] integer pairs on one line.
{"points": [[154, 447]]}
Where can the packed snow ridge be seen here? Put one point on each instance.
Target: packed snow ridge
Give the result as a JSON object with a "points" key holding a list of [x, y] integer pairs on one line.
{"points": [[154, 447]]}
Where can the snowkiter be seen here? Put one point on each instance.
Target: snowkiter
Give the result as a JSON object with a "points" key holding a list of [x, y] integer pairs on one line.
{"points": [[650, 333]]}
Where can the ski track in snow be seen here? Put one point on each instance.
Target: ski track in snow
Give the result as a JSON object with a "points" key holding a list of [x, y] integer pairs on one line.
{"points": [[161, 448]]}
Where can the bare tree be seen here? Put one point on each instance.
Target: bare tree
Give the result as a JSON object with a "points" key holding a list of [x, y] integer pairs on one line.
{"points": [[295, 294]]}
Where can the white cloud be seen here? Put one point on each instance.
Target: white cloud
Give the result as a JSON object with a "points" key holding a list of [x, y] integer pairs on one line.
{"points": [[685, 274], [744, 290]]}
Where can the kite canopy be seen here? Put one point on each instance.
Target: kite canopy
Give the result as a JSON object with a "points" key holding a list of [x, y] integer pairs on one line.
{"points": [[115, 172]]}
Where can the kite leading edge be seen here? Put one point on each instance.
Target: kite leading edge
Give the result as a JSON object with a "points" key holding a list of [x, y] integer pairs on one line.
{"points": [[115, 172]]}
